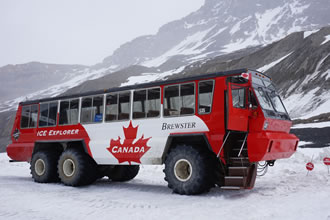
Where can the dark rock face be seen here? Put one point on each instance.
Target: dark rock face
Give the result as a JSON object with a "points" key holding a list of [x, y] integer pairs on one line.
{"points": [[315, 137], [112, 80]]}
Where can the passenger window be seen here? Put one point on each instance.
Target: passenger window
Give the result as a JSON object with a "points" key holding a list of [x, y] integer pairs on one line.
{"points": [[124, 106], [74, 108], [139, 104], [29, 116], [111, 108], [43, 117], [48, 114], [86, 110], [153, 103], [205, 96], [171, 101], [179, 100], [92, 109], [52, 119], [69, 112], [34, 116], [64, 113], [118, 106], [25, 116], [238, 97], [146, 103], [187, 95], [97, 113]]}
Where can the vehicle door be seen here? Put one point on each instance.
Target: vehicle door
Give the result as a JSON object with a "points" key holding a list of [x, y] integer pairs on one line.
{"points": [[237, 107]]}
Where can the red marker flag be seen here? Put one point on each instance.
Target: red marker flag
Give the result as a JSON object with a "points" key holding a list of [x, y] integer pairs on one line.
{"points": [[309, 166]]}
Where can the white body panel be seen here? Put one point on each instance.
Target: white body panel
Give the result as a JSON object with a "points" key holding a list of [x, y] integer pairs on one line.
{"points": [[157, 129]]}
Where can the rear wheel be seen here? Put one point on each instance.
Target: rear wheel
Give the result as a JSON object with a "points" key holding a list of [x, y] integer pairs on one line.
{"points": [[44, 166], [76, 168], [188, 170], [122, 173]]}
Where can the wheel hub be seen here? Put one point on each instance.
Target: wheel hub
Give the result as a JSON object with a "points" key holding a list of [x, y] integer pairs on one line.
{"points": [[40, 167], [69, 167], [183, 170]]}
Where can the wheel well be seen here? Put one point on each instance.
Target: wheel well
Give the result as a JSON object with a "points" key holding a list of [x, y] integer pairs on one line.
{"points": [[196, 140], [59, 146]]}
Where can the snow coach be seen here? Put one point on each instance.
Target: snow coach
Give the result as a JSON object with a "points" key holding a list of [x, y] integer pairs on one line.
{"points": [[211, 129]]}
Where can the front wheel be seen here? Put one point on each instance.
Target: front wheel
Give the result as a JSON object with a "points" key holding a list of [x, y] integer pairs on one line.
{"points": [[188, 170], [76, 168]]}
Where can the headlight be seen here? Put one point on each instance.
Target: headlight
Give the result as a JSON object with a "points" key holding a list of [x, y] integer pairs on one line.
{"points": [[265, 125]]}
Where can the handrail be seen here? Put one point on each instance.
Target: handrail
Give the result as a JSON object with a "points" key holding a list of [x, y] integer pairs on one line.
{"points": [[223, 144], [240, 151]]}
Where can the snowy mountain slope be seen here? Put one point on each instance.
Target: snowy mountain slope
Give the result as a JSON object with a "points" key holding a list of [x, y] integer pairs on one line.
{"points": [[303, 77], [285, 192], [220, 27], [299, 64], [70, 79], [18, 80]]}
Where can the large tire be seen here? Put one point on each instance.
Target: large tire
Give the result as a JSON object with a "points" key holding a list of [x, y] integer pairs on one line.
{"points": [[122, 173], [188, 170], [44, 166], [76, 168]]}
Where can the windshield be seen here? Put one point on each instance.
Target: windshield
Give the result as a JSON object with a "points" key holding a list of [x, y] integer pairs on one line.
{"points": [[277, 103], [263, 99], [269, 101]]}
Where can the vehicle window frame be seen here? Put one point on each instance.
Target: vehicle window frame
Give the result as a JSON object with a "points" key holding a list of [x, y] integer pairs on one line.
{"points": [[160, 101], [265, 94], [146, 105], [48, 103], [117, 115], [92, 105], [180, 104], [30, 114], [244, 88], [279, 98], [78, 115], [212, 97]]}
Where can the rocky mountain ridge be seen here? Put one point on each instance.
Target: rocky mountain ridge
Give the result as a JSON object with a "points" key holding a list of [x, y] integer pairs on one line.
{"points": [[220, 27]]}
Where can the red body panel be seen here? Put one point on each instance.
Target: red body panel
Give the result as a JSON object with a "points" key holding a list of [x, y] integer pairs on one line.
{"points": [[22, 149], [215, 121], [264, 146]]}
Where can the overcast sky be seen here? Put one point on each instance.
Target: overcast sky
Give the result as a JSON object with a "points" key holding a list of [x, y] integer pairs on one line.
{"points": [[79, 31]]}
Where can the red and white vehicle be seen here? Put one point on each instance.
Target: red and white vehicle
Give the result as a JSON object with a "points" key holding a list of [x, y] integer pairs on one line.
{"points": [[207, 129]]}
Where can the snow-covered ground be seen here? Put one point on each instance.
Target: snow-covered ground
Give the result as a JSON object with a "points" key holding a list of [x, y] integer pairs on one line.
{"points": [[285, 192]]}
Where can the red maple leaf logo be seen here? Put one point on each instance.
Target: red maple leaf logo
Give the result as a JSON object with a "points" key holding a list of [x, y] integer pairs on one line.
{"points": [[129, 151]]}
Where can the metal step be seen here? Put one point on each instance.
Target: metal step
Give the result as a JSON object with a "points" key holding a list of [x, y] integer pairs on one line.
{"points": [[235, 181], [239, 161], [238, 171]]}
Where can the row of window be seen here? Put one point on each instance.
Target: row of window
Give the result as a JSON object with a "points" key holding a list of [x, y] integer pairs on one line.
{"points": [[178, 100]]}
